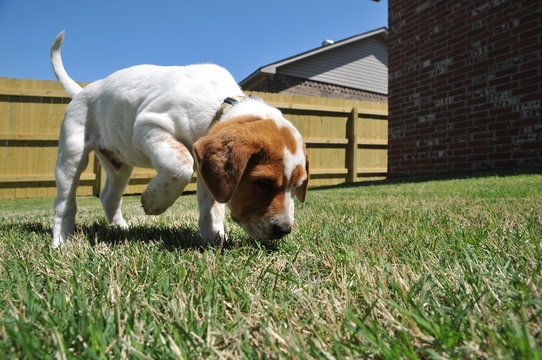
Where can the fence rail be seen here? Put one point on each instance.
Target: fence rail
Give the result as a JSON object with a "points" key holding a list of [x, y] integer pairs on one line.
{"points": [[346, 139]]}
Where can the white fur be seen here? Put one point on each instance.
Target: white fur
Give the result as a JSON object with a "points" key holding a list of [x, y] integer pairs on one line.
{"points": [[145, 116], [291, 160], [257, 108]]}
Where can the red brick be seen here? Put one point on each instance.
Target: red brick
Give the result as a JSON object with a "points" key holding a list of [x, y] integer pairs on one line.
{"points": [[504, 164], [494, 85], [507, 132]]}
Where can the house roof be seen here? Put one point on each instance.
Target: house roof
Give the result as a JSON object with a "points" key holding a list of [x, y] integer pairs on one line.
{"points": [[272, 68]]}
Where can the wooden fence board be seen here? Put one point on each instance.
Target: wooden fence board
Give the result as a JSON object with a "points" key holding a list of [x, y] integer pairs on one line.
{"points": [[31, 112]]}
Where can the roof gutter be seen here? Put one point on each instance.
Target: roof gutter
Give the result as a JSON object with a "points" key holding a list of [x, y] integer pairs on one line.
{"points": [[265, 71]]}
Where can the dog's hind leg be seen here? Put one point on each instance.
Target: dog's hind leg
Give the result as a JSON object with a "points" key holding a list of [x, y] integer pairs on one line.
{"points": [[72, 160], [174, 165], [118, 175]]}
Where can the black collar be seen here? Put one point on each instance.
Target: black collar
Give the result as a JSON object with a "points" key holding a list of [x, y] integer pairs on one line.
{"points": [[224, 107]]}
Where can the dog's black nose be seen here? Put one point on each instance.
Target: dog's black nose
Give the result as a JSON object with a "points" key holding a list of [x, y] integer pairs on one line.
{"points": [[281, 230]]}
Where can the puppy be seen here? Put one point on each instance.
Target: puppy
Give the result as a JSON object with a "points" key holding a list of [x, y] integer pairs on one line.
{"points": [[175, 119]]}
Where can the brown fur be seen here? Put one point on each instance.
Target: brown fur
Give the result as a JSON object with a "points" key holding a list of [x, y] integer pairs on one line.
{"points": [[241, 151]]}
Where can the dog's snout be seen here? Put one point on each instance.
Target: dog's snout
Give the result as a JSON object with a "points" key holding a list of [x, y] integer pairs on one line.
{"points": [[281, 230]]}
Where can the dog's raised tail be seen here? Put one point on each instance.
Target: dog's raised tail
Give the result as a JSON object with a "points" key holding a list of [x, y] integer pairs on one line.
{"points": [[71, 87]]}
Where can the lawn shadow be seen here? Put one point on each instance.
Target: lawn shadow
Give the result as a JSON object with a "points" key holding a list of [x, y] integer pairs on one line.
{"points": [[98, 232], [170, 238]]}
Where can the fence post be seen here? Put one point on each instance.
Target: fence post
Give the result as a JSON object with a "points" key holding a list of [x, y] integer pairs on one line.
{"points": [[352, 148]]}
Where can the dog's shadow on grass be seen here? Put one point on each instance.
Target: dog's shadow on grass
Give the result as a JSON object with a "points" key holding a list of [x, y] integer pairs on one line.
{"points": [[168, 238]]}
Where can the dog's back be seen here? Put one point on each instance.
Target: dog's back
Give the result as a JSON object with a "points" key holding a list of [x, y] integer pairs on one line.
{"points": [[189, 95]]}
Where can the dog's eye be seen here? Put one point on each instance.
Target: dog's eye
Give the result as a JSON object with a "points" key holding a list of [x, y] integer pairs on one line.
{"points": [[266, 185]]}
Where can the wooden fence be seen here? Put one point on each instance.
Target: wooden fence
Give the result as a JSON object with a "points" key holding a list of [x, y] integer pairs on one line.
{"points": [[346, 139]]}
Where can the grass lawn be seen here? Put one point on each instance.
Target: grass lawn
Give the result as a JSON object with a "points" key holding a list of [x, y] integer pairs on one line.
{"points": [[420, 270]]}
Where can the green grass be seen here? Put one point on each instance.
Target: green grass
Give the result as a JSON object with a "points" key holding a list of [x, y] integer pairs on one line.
{"points": [[426, 270]]}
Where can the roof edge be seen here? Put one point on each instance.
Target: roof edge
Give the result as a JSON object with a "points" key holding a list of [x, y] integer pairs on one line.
{"points": [[271, 68]]}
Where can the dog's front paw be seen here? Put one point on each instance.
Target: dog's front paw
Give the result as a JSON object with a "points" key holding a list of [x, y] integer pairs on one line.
{"points": [[149, 205], [121, 224], [58, 241], [215, 238]]}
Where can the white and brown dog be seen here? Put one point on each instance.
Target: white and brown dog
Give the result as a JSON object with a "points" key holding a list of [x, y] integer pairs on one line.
{"points": [[248, 156]]}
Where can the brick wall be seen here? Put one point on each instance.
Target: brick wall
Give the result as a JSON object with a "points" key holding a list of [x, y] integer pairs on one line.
{"points": [[465, 80], [285, 84]]}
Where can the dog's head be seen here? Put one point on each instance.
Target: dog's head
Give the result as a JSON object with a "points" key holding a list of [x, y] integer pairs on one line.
{"points": [[256, 164]]}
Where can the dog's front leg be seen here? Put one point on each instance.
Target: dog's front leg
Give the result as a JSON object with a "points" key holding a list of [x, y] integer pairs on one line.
{"points": [[211, 216], [174, 165]]}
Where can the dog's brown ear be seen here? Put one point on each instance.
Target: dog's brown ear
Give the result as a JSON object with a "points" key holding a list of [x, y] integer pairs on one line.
{"points": [[221, 162], [301, 192]]}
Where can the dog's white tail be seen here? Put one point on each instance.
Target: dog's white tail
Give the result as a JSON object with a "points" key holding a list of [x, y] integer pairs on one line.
{"points": [[71, 87]]}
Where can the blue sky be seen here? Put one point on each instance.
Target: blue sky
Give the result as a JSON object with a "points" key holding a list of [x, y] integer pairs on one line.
{"points": [[103, 36]]}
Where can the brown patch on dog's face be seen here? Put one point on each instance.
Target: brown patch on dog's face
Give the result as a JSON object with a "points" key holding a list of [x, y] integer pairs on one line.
{"points": [[289, 140], [260, 192], [242, 162]]}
